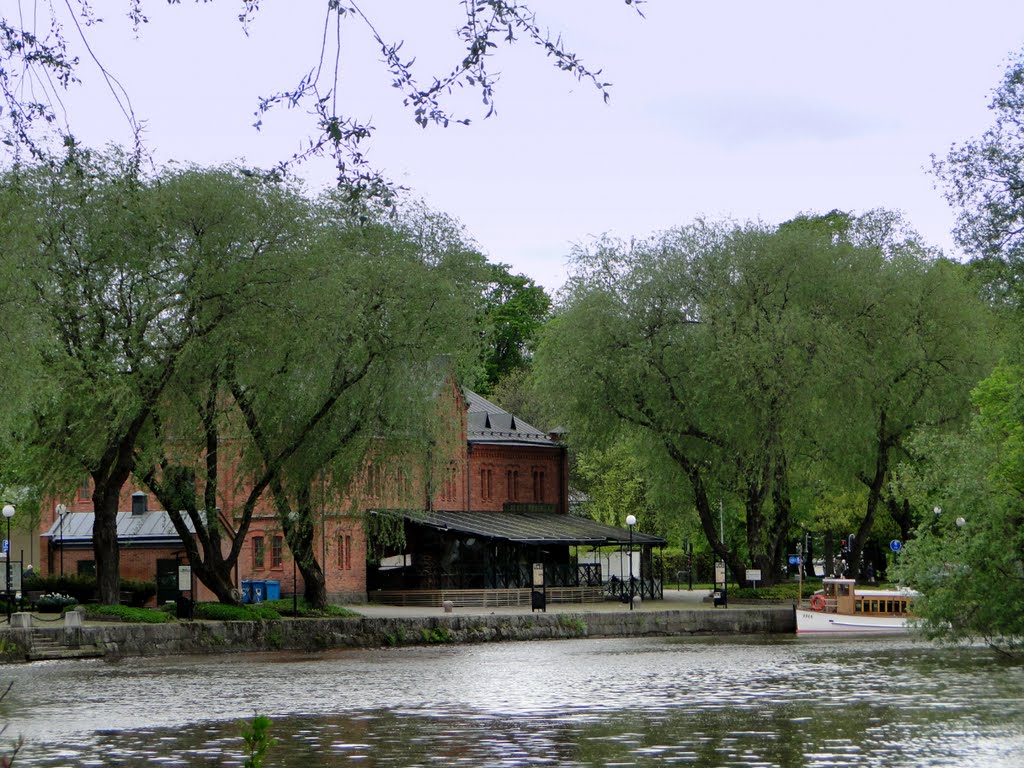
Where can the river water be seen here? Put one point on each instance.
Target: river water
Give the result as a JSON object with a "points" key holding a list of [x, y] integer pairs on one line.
{"points": [[624, 702]]}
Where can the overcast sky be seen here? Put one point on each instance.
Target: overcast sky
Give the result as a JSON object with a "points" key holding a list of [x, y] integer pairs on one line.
{"points": [[743, 110]]}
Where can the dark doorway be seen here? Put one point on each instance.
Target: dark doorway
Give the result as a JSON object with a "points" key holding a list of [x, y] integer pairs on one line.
{"points": [[166, 581]]}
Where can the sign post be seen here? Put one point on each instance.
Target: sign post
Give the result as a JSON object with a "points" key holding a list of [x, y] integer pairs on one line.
{"points": [[539, 593], [185, 604]]}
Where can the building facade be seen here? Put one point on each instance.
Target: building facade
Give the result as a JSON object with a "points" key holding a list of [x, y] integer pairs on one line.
{"points": [[492, 505]]}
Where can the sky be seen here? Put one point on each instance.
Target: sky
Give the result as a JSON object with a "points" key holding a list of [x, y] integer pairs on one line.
{"points": [[743, 110]]}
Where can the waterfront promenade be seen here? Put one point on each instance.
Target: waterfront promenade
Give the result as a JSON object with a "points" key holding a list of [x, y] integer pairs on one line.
{"points": [[681, 613]]}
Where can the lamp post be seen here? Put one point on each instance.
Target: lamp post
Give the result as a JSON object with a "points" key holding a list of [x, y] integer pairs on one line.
{"points": [[62, 510], [631, 520], [8, 513]]}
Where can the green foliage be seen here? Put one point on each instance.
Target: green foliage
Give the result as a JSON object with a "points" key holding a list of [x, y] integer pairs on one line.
{"points": [[256, 737], [575, 624], [776, 592], [763, 373], [982, 183], [968, 560], [126, 614], [82, 588], [436, 635], [54, 602], [284, 608], [223, 612], [515, 308]]}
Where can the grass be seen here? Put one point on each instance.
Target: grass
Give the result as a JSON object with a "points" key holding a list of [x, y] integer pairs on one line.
{"points": [[284, 607], [125, 614]]}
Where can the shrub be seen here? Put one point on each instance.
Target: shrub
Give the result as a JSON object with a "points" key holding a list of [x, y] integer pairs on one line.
{"points": [[141, 591], [54, 602], [126, 614], [785, 591], [82, 588]]}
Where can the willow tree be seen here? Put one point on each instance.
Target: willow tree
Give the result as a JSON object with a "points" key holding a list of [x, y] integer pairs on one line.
{"points": [[111, 298], [912, 341], [281, 409], [703, 343], [764, 365]]}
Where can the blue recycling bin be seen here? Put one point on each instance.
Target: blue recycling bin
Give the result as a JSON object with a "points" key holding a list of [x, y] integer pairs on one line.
{"points": [[272, 590], [254, 590]]}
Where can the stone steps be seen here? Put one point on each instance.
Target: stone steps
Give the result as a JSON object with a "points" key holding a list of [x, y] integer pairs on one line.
{"points": [[46, 646]]}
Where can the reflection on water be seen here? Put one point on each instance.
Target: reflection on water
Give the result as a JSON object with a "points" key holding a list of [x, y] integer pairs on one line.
{"points": [[764, 702]]}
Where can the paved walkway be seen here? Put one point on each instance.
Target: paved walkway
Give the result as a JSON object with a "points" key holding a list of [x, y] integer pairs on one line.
{"points": [[674, 600]]}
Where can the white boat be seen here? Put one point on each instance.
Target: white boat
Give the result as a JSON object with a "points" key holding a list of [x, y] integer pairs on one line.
{"points": [[839, 607]]}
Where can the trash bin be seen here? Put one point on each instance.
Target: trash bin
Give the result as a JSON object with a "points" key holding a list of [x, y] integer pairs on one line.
{"points": [[184, 608], [272, 590], [254, 590], [538, 601]]}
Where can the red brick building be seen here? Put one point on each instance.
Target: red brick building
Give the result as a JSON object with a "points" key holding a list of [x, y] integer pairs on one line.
{"points": [[498, 505]]}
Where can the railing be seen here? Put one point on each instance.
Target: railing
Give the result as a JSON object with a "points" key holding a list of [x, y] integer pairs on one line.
{"points": [[645, 589], [515, 577], [483, 598]]}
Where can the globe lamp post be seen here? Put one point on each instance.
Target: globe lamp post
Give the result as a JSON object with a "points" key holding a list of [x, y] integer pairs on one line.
{"points": [[8, 513], [630, 521]]}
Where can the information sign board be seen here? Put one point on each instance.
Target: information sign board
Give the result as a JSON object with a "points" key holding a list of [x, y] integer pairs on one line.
{"points": [[538, 574]]}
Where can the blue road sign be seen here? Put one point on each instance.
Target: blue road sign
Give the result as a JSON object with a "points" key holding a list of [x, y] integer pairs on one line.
{"points": [[895, 545], [794, 560], [7, 546]]}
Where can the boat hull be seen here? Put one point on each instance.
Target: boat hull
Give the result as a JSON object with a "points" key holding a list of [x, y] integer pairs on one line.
{"points": [[819, 623]]}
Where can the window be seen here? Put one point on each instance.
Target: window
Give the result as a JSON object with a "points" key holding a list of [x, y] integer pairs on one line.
{"points": [[486, 484], [376, 477], [258, 552], [512, 481], [277, 552], [84, 489], [86, 567], [448, 486], [538, 485], [345, 552]]}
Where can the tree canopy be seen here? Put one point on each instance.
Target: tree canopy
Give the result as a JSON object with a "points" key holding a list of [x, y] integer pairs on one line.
{"points": [[983, 183], [203, 324], [967, 555], [757, 363]]}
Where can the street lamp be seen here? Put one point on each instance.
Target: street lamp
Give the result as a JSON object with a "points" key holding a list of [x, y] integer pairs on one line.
{"points": [[631, 520], [62, 510], [8, 513]]}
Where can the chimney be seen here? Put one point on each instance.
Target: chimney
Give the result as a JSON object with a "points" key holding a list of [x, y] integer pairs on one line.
{"points": [[139, 503]]}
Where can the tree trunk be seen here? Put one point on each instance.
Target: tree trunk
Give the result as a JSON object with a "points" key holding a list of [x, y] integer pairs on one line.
{"points": [[299, 533], [105, 500]]}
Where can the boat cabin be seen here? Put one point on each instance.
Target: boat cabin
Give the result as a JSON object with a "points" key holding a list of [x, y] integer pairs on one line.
{"points": [[842, 596]]}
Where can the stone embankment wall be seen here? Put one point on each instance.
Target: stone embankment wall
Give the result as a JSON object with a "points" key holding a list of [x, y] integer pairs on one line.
{"points": [[121, 640]]}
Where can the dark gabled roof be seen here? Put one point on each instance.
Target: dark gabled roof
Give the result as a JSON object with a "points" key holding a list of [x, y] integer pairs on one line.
{"points": [[488, 423], [531, 528], [149, 526]]}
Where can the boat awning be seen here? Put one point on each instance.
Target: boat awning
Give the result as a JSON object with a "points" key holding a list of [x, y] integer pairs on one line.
{"points": [[531, 528]]}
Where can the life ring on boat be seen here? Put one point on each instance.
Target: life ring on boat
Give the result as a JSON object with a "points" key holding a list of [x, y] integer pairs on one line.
{"points": [[818, 603]]}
